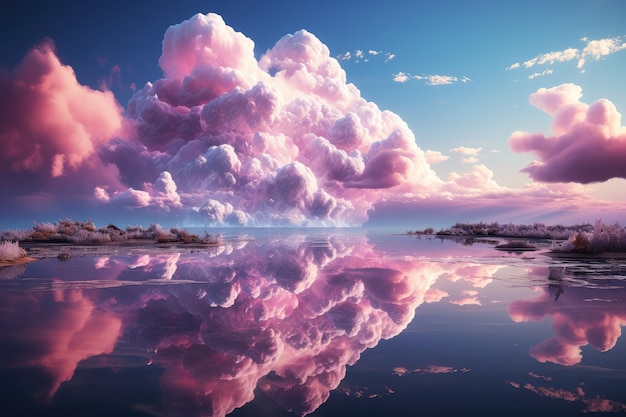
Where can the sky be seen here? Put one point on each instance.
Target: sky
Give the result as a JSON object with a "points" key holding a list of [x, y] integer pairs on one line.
{"points": [[283, 113]]}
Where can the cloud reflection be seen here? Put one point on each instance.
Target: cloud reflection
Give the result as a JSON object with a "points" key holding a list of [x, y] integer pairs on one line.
{"points": [[284, 319], [55, 331], [590, 404], [580, 316], [429, 369]]}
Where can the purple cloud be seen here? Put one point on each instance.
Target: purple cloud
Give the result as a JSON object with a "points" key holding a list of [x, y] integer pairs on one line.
{"points": [[588, 143]]}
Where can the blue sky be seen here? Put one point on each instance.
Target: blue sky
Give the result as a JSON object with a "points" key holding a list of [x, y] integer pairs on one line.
{"points": [[479, 40], [445, 67]]}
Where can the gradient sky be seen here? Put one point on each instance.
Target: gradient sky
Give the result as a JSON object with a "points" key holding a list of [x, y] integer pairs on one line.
{"points": [[481, 90]]}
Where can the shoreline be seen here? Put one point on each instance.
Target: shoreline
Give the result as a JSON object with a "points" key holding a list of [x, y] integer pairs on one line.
{"points": [[19, 261], [39, 250]]}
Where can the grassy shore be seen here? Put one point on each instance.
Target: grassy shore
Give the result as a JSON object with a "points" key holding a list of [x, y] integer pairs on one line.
{"points": [[71, 232], [583, 239]]}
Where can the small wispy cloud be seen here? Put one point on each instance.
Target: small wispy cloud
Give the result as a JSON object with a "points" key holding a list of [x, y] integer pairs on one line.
{"points": [[540, 74], [513, 66], [470, 155], [466, 151], [433, 79], [360, 55], [552, 57], [345, 56], [401, 77], [435, 157], [594, 49], [599, 48]]}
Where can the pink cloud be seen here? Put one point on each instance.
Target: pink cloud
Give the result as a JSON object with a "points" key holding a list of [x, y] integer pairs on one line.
{"points": [[259, 135], [588, 142], [50, 123], [205, 41], [479, 177], [226, 138], [52, 129]]}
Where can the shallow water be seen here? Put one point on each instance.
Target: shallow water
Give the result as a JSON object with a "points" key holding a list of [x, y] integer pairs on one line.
{"points": [[322, 322]]}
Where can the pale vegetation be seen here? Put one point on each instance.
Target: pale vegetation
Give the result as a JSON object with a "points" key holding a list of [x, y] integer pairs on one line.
{"points": [[603, 238], [510, 230], [69, 231], [584, 238], [10, 251]]}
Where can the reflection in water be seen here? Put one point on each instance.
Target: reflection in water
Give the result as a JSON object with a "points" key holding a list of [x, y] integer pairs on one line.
{"points": [[12, 271], [283, 317], [581, 315], [591, 404], [52, 332], [430, 369]]}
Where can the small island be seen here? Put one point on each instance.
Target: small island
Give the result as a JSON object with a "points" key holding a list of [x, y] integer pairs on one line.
{"points": [[599, 238], [77, 233]]}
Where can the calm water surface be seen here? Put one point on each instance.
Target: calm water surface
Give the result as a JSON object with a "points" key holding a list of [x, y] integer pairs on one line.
{"points": [[327, 323]]}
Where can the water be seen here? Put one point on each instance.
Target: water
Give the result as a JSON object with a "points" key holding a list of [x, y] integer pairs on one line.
{"points": [[280, 322]]}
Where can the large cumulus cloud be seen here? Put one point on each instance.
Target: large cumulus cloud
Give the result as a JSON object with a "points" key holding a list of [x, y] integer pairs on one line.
{"points": [[222, 138], [284, 139], [588, 142], [226, 138]]}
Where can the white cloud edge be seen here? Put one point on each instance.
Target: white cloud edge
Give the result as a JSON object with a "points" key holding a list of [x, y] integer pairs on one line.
{"points": [[595, 49], [431, 79], [362, 55]]}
